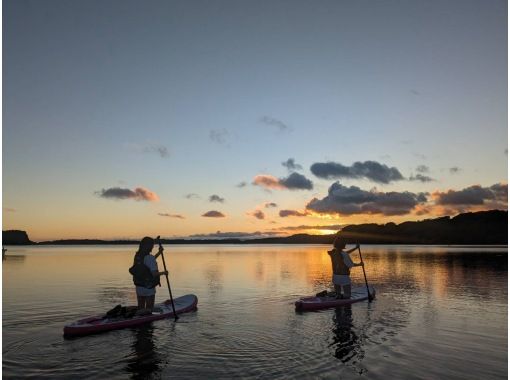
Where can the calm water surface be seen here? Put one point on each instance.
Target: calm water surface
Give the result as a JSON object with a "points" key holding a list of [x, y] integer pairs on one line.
{"points": [[440, 313]]}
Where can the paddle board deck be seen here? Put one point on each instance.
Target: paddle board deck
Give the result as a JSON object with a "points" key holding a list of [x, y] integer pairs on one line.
{"points": [[97, 324], [358, 294]]}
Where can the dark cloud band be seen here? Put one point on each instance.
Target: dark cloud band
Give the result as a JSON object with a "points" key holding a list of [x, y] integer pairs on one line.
{"points": [[473, 195], [213, 214], [286, 213], [138, 194], [294, 181], [351, 200], [371, 170], [177, 216], [234, 235], [421, 178], [332, 227]]}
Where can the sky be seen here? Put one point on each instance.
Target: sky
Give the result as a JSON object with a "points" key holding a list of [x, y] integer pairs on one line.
{"points": [[123, 119]]}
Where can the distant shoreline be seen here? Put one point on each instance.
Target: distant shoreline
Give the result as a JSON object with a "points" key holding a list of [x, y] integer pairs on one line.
{"points": [[482, 228], [135, 243]]}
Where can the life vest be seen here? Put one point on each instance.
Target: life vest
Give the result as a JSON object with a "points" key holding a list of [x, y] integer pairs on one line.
{"points": [[339, 264], [142, 275]]}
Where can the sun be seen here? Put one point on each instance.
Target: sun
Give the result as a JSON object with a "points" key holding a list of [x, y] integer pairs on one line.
{"points": [[321, 232]]}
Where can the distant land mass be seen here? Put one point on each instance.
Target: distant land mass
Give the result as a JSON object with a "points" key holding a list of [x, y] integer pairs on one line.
{"points": [[484, 227], [15, 237]]}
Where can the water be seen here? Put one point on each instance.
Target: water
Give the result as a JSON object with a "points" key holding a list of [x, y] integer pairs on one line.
{"points": [[440, 313]]}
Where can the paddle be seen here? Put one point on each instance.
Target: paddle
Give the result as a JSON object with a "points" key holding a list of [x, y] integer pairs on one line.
{"points": [[167, 280], [364, 274]]}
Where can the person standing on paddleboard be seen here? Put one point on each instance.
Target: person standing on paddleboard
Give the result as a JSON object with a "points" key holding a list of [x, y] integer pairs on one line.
{"points": [[145, 274], [342, 264]]}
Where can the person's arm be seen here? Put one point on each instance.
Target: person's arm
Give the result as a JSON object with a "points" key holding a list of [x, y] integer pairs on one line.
{"points": [[154, 267], [160, 251], [352, 250], [156, 273]]}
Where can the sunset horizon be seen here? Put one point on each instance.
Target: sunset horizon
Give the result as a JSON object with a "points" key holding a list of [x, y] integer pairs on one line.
{"points": [[182, 127], [255, 189]]}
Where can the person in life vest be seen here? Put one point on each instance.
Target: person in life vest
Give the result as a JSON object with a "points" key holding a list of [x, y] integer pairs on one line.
{"points": [[145, 274], [342, 264]]}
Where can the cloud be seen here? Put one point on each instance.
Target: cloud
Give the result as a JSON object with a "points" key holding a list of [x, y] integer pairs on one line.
{"points": [[213, 214], [219, 136], [192, 196], [268, 182], [257, 214], [171, 215], [332, 227], [351, 200], [291, 165], [8, 209], [286, 213], [422, 169], [473, 195], [421, 178], [234, 235], [423, 209], [280, 125], [138, 194], [295, 181], [371, 170], [500, 191], [159, 149], [454, 170], [241, 184], [150, 148], [216, 198], [470, 199], [270, 204]]}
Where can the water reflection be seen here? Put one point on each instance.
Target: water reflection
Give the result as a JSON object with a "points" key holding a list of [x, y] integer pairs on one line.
{"points": [[213, 273], [285, 270], [259, 271], [114, 295], [345, 339], [434, 305], [13, 258], [145, 361]]}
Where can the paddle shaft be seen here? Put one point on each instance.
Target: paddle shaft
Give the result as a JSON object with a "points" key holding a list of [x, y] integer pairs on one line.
{"points": [[364, 274], [167, 280]]}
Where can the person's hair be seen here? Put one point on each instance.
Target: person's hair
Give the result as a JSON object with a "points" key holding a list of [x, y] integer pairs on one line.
{"points": [[146, 245], [339, 242]]}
